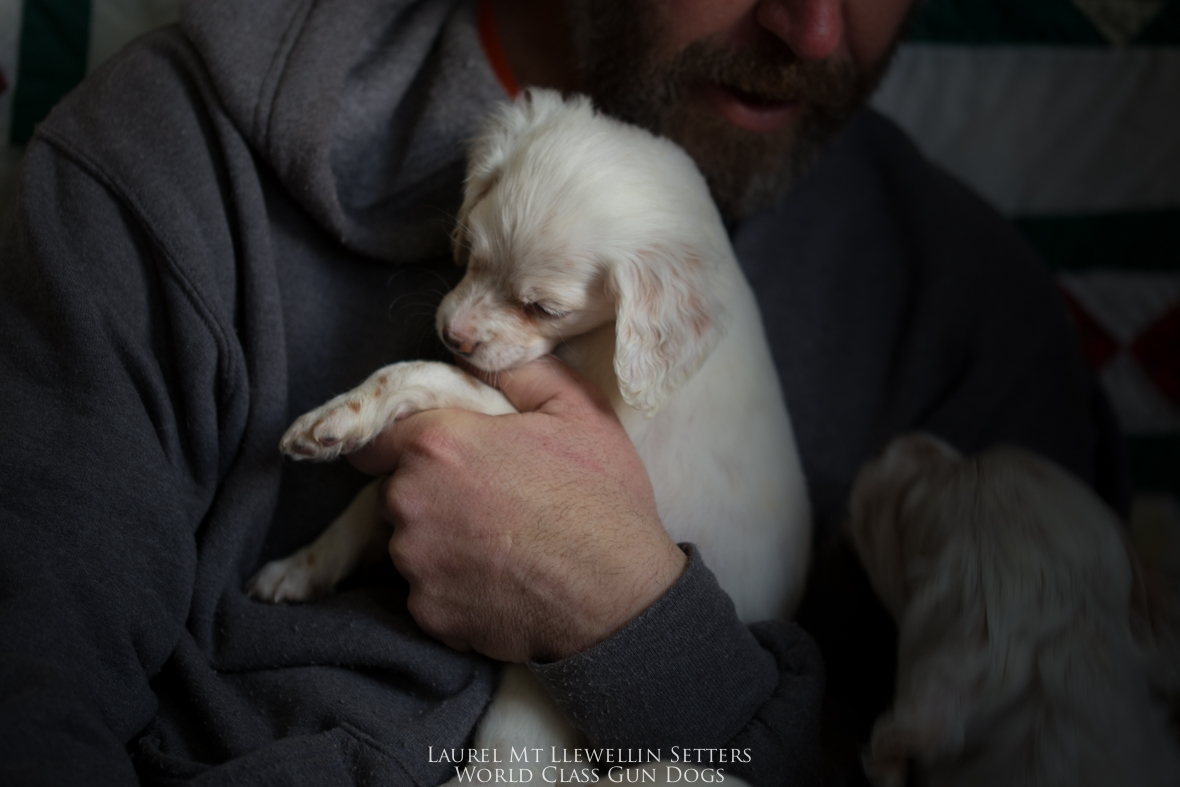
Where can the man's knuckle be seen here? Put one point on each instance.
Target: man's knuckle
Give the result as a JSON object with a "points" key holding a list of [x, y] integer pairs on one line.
{"points": [[401, 507], [429, 615], [394, 502], [435, 442], [402, 557]]}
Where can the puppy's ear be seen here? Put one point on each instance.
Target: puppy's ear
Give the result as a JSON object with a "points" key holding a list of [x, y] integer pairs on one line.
{"points": [[920, 562], [949, 680], [667, 321], [888, 518]]}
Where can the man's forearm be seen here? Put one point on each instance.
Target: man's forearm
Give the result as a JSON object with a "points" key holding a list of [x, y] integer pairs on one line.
{"points": [[688, 682]]}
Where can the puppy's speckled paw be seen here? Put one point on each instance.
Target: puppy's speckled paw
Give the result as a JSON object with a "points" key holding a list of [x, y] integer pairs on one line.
{"points": [[339, 427], [352, 420]]}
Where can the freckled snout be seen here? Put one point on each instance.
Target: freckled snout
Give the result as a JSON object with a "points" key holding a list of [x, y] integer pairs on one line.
{"points": [[459, 319], [489, 332]]}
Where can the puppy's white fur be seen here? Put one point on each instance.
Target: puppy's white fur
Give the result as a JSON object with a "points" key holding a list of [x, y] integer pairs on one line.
{"points": [[1022, 659], [596, 240]]}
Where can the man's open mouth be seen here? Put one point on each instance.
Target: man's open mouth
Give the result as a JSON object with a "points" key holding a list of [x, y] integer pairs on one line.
{"points": [[751, 111]]}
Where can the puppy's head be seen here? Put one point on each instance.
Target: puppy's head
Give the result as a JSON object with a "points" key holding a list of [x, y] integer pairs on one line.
{"points": [[570, 220]]}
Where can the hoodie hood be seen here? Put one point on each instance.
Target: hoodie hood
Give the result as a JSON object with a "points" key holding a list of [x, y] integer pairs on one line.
{"points": [[362, 108]]}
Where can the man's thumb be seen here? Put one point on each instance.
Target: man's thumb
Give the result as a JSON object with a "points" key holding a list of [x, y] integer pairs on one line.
{"points": [[545, 385]]}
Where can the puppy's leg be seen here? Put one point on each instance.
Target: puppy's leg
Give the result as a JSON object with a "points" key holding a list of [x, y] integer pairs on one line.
{"points": [[353, 419], [356, 535], [341, 426]]}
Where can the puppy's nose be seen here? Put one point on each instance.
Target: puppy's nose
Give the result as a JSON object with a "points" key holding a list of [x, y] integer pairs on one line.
{"points": [[459, 345]]}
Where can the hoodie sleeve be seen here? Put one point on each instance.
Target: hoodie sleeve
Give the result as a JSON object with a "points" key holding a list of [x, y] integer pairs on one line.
{"points": [[100, 484], [688, 679]]}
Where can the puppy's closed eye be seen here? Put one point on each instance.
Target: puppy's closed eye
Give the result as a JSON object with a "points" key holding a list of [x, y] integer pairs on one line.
{"points": [[546, 310]]}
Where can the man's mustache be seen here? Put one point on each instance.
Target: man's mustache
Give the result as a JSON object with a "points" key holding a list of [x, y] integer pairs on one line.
{"points": [[765, 75]]}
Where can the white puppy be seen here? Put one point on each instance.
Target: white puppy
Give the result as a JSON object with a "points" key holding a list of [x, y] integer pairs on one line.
{"points": [[598, 241], [1024, 657]]}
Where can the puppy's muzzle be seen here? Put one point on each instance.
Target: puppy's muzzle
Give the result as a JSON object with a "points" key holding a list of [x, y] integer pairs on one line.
{"points": [[459, 345]]}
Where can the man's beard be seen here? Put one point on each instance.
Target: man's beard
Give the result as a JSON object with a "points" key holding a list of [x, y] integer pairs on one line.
{"points": [[629, 77]]}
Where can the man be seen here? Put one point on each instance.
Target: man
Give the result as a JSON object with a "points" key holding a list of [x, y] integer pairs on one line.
{"points": [[234, 220]]}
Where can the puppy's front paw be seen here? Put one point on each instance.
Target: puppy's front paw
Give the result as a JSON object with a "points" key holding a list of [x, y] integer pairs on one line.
{"points": [[300, 577], [353, 419], [338, 427]]}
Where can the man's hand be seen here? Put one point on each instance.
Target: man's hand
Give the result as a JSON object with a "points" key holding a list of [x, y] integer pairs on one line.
{"points": [[524, 537]]}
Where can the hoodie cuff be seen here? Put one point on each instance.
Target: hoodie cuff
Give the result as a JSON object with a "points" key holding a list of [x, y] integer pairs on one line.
{"points": [[685, 673]]}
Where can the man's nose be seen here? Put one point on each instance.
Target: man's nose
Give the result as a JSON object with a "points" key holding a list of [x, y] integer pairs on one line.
{"points": [[813, 29]]}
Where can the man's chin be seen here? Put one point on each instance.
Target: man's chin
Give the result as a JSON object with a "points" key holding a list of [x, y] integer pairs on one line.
{"points": [[745, 169]]}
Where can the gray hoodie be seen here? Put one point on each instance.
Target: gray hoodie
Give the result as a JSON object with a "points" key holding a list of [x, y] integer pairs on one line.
{"points": [[237, 218]]}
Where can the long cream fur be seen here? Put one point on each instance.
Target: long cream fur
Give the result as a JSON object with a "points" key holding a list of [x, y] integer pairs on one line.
{"points": [[1023, 658]]}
